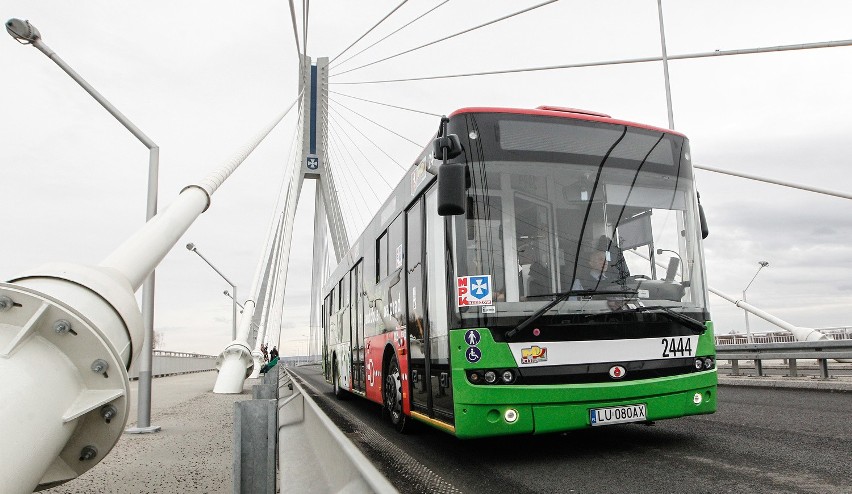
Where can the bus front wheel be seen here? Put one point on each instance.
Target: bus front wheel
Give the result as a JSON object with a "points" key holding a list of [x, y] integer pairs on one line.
{"points": [[392, 391]]}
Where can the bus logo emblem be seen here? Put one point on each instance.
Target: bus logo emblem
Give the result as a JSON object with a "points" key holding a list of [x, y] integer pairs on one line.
{"points": [[473, 290], [533, 355], [617, 372]]}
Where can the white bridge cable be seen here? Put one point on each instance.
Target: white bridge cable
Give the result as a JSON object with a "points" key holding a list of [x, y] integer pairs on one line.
{"points": [[419, 146], [339, 131], [212, 182], [372, 165], [369, 210], [357, 222], [818, 190], [295, 28], [401, 167], [391, 34], [353, 160], [689, 56], [306, 8], [268, 253], [445, 38], [346, 198], [369, 31], [387, 104], [342, 162], [339, 161]]}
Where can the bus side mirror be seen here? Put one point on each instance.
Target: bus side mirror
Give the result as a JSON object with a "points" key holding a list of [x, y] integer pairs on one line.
{"points": [[451, 188], [451, 143], [452, 177], [705, 231]]}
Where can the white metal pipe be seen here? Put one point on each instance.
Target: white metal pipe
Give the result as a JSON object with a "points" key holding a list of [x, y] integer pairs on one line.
{"points": [[801, 334], [32, 437], [237, 363], [89, 317], [818, 190], [143, 251], [665, 65], [138, 256], [234, 365], [70, 336]]}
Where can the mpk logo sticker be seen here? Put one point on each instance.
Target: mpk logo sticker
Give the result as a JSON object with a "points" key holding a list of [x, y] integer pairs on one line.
{"points": [[473, 290]]}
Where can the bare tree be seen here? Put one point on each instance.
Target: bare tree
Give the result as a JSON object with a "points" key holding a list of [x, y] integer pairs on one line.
{"points": [[159, 339]]}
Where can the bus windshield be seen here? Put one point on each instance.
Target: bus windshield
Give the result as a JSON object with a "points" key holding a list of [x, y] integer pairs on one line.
{"points": [[556, 204]]}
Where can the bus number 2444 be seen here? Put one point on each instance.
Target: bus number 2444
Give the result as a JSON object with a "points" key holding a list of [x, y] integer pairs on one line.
{"points": [[676, 347]]}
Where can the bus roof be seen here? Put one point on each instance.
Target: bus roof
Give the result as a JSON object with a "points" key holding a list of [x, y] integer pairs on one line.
{"points": [[553, 111]]}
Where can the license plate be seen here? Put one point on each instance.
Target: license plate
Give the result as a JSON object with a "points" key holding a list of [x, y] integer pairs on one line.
{"points": [[618, 415]]}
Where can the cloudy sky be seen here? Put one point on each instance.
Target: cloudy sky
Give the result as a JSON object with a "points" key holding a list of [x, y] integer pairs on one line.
{"points": [[202, 77]]}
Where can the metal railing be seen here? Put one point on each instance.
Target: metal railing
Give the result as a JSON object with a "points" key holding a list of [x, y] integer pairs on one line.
{"points": [[308, 442], [166, 363], [834, 333], [821, 351]]}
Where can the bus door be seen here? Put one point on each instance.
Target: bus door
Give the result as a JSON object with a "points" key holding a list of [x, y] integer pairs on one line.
{"points": [[431, 389], [416, 323], [357, 314], [441, 390]]}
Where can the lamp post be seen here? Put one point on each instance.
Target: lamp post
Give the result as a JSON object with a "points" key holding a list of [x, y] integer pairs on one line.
{"points": [[228, 294], [191, 247], [25, 33], [762, 264]]}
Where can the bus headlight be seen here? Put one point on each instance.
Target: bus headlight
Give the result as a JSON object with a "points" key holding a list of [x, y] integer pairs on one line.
{"points": [[511, 415], [490, 376], [699, 364], [708, 362], [508, 376]]}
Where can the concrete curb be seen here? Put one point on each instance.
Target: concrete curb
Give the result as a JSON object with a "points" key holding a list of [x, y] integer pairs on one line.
{"points": [[787, 383]]}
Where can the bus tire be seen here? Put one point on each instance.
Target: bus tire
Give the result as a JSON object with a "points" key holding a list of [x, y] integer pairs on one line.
{"points": [[339, 392], [392, 397]]}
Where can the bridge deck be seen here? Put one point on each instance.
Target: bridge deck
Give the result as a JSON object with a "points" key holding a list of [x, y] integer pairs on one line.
{"points": [[192, 453]]}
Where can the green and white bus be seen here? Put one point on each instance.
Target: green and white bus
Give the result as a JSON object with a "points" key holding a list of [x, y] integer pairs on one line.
{"points": [[546, 275]]}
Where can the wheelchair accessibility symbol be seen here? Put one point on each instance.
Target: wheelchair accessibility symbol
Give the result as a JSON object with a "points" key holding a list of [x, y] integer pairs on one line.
{"points": [[473, 355]]}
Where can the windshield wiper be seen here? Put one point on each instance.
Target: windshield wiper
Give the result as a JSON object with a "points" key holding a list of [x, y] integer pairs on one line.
{"points": [[559, 298], [695, 325]]}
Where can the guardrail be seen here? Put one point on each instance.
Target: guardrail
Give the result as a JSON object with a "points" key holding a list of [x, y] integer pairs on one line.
{"points": [[166, 363], [822, 351], [313, 452]]}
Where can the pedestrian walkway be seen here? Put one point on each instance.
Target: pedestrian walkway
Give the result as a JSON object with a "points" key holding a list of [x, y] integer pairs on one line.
{"points": [[193, 453]]}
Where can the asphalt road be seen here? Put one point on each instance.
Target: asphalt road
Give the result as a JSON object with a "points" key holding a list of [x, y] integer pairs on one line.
{"points": [[760, 441]]}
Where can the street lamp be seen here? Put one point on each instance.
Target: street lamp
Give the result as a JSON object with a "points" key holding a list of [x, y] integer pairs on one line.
{"points": [[228, 294], [191, 247], [25, 33], [762, 264]]}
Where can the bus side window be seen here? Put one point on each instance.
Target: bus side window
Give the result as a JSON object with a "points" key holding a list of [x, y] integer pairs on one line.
{"points": [[382, 257]]}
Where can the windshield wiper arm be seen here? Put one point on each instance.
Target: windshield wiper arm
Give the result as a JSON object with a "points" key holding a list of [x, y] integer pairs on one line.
{"points": [[695, 325], [559, 298]]}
